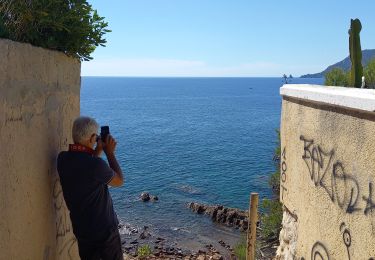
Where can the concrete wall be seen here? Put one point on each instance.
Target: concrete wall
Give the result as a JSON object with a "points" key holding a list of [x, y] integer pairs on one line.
{"points": [[39, 97], [327, 173]]}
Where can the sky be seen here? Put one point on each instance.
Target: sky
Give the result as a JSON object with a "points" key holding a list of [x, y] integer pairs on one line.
{"points": [[226, 38]]}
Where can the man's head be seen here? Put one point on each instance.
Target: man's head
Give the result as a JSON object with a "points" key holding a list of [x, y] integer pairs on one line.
{"points": [[85, 131]]}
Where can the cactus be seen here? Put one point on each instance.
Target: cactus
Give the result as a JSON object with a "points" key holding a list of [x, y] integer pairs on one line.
{"points": [[356, 71]]}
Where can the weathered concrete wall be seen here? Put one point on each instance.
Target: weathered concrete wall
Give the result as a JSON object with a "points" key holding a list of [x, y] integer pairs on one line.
{"points": [[327, 173], [39, 97]]}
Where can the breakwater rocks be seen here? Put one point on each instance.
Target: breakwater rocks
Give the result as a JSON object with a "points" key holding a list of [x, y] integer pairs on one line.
{"points": [[230, 217]]}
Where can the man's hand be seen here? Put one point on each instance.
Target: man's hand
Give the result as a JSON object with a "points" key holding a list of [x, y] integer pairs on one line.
{"points": [[109, 145]]}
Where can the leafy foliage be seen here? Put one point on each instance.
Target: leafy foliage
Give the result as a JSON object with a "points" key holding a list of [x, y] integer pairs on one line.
{"points": [[271, 219], [277, 151], [274, 182], [240, 249], [272, 208], [369, 73], [70, 26], [144, 251], [337, 77], [272, 211]]}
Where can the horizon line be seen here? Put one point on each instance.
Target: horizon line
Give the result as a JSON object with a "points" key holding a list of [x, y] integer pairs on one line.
{"points": [[123, 76]]}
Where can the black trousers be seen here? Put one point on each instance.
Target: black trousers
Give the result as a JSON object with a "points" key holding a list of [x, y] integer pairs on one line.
{"points": [[109, 249]]}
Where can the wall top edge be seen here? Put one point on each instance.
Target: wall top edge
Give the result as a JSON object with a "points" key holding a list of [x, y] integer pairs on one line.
{"points": [[31, 47], [363, 99]]}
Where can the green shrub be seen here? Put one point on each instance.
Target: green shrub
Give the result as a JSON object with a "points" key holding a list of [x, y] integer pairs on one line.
{"points": [[277, 151], [240, 249], [274, 182], [272, 210], [271, 218], [144, 251], [70, 26], [369, 73], [337, 77]]}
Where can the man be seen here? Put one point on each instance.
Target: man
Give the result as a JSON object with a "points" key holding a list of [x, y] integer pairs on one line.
{"points": [[84, 178]]}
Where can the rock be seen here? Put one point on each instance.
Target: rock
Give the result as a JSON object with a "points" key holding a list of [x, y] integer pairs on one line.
{"points": [[221, 216], [243, 224], [210, 210], [217, 257], [197, 208], [231, 215], [145, 196], [201, 209], [214, 213], [227, 216], [170, 250], [128, 248], [144, 235]]}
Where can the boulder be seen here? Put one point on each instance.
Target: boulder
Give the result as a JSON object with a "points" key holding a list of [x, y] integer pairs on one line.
{"points": [[145, 196], [144, 235]]}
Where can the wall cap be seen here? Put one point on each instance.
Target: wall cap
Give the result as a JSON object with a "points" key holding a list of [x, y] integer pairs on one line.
{"points": [[363, 99]]}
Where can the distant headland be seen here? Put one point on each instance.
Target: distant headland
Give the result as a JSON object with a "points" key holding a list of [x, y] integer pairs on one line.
{"points": [[367, 55]]}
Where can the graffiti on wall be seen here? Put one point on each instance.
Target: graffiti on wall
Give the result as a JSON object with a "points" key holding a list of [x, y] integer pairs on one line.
{"points": [[329, 173], [65, 239], [319, 250], [346, 237]]}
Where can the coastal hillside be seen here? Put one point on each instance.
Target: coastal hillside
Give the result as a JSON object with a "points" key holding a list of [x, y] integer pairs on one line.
{"points": [[345, 64]]}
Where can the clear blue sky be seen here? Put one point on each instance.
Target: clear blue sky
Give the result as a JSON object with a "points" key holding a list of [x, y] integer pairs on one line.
{"points": [[226, 37]]}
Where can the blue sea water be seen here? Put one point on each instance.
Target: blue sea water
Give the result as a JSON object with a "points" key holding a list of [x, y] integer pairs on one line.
{"points": [[209, 140]]}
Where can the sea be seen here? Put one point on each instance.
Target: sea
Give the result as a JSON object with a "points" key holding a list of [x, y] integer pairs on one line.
{"points": [[206, 140]]}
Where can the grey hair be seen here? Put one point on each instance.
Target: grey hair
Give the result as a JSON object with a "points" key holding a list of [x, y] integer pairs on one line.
{"points": [[83, 128]]}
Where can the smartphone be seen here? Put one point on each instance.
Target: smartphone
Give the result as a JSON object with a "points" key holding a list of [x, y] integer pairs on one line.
{"points": [[104, 131]]}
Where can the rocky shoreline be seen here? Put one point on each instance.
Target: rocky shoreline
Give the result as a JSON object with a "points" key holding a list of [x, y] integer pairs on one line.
{"points": [[238, 219], [135, 240], [161, 248]]}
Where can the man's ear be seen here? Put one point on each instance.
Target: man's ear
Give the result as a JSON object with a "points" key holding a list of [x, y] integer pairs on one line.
{"points": [[93, 138]]}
